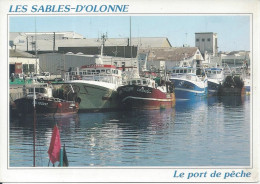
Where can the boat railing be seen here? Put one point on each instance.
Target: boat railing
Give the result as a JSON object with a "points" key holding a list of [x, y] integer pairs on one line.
{"points": [[109, 78], [188, 76], [54, 99]]}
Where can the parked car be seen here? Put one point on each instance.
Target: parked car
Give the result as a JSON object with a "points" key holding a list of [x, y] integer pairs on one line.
{"points": [[46, 76]]}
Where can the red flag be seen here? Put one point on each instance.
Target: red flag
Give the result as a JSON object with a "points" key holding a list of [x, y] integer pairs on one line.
{"points": [[54, 149]]}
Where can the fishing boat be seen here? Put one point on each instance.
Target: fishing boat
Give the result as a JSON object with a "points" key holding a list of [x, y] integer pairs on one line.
{"points": [[188, 85], [233, 84], [145, 93], [215, 80], [39, 97], [94, 86]]}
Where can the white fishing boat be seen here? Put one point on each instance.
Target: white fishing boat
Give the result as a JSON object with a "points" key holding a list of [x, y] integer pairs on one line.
{"points": [[215, 80], [94, 86]]}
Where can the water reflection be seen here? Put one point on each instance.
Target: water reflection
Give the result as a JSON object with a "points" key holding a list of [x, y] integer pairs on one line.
{"points": [[217, 128]]}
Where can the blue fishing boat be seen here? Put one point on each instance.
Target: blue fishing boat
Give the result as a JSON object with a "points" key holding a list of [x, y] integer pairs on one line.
{"points": [[188, 83]]}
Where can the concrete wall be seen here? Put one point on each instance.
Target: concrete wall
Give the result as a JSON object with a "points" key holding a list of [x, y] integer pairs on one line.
{"points": [[206, 42]]}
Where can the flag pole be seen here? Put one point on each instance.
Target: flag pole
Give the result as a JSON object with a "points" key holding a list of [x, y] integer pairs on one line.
{"points": [[34, 126]]}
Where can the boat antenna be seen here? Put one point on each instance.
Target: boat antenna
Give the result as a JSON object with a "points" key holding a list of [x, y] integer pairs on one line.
{"points": [[103, 38]]}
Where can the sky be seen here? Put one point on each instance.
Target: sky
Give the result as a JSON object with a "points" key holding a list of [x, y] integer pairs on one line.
{"points": [[233, 31]]}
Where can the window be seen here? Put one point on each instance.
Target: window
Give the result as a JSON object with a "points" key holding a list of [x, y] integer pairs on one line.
{"points": [[203, 39], [208, 39], [177, 71], [197, 40], [138, 82], [144, 82]]}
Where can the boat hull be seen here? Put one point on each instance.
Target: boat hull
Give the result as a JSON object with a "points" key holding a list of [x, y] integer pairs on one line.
{"points": [[143, 97], [25, 106], [92, 97], [186, 90], [233, 86], [213, 88]]}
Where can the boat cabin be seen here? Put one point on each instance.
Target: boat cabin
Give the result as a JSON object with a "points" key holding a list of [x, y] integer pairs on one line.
{"points": [[104, 73], [216, 73], [142, 82], [183, 70], [43, 90]]}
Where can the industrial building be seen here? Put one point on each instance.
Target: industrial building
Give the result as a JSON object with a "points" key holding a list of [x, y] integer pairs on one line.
{"points": [[57, 63], [207, 42], [59, 51]]}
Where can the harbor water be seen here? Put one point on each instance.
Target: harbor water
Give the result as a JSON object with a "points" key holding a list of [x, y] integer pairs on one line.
{"points": [[209, 132]]}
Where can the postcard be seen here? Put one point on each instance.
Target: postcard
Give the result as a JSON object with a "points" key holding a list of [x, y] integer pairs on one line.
{"points": [[129, 91]]}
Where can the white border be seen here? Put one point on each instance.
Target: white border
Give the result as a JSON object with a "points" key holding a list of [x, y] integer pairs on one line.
{"points": [[127, 174]]}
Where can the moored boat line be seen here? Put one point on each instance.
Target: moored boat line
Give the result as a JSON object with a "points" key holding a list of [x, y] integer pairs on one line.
{"points": [[100, 87]]}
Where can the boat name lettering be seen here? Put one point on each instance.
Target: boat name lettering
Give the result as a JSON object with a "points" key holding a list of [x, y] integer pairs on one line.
{"points": [[41, 103], [181, 83], [127, 89], [142, 90]]}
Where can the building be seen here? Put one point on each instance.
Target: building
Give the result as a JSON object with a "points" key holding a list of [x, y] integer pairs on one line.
{"points": [[207, 42], [40, 41], [175, 56], [236, 58], [57, 63], [51, 42], [22, 62]]}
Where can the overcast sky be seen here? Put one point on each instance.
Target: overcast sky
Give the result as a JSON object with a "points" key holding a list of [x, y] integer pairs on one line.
{"points": [[233, 31]]}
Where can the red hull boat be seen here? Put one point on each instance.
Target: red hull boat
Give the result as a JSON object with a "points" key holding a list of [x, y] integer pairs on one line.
{"points": [[44, 101], [142, 94]]}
